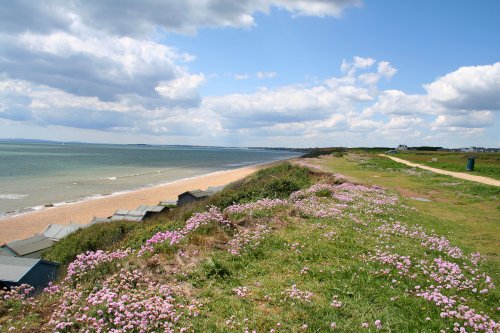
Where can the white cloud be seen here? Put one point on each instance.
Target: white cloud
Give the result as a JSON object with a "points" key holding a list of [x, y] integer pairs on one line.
{"points": [[266, 75], [399, 103], [468, 88], [403, 123], [133, 18], [473, 119], [386, 70], [350, 67], [181, 88]]}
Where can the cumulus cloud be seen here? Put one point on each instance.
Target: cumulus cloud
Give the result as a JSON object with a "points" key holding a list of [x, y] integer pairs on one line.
{"points": [[90, 64], [139, 18], [474, 119], [399, 103], [468, 88], [101, 65], [184, 88]]}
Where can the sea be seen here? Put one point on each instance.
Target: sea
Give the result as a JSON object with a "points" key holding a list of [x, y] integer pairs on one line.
{"points": [[33, 175]]}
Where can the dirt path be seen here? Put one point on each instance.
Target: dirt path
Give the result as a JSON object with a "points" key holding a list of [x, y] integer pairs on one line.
{"points": [[461, 175]]}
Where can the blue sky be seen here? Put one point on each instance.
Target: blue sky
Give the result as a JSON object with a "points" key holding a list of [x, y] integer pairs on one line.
{"points": [[265, 72]]}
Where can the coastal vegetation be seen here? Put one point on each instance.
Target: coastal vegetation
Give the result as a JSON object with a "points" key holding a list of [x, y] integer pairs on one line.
{"points": [[341, 243]]}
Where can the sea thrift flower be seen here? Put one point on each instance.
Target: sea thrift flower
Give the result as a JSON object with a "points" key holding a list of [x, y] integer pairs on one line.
{"points": [[240, 291], [335, 303], [297, 294]]}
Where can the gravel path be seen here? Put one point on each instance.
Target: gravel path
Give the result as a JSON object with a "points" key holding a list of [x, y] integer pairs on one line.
{"points": [[461, 175]]}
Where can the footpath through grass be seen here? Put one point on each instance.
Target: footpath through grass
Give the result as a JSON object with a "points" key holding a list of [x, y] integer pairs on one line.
{"points": [[287, 250], [486, 164]]}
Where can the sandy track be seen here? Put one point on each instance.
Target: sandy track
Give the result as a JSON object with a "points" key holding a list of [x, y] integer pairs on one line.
{"points": [[26, 225], [461, 175]]}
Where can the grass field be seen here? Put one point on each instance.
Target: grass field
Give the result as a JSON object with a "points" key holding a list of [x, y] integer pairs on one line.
{"points": [[288, 250], [486, 164]]}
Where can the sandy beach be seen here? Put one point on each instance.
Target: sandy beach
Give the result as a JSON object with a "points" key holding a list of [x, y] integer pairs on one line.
{"points": [[26, 225]]}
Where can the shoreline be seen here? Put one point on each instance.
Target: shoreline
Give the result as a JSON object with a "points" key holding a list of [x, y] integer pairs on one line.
{"points": [[30, 223], [97, 196]]}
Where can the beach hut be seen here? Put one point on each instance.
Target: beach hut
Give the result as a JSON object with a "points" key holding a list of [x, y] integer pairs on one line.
{"points": [[168, 203], [31, 247], [191, 196], [152, 210], [129, 215], [15, 271], [57, 231]]}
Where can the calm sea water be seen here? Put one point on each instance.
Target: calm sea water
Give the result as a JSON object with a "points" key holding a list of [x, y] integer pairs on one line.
{"points": [[35, 174]]}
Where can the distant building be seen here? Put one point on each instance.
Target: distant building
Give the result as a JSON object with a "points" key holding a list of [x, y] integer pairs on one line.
{"points": [[192, 196], [402, 147], [474, 150], [31, 247], [15, 271]]}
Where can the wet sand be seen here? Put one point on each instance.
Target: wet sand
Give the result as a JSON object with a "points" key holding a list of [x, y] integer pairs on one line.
{"points": [[26, 225]]}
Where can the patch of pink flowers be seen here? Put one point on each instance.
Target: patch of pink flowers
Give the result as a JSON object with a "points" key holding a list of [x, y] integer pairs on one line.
{"points": [[21, 294], [295, 293], [335, 302], [330, 201], [259, 205], [125, 302], [247, 238], [91, 259], [240, 291], [213, 215]]}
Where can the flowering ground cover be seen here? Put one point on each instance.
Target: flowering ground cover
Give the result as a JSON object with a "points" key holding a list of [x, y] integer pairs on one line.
{"points": [[329, 256]]}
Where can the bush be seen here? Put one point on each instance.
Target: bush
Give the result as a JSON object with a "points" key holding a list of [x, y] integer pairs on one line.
{"points": [[274, 182], [95, 237]]}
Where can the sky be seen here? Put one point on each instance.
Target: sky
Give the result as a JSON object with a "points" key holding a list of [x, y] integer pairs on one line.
{"points": [[276, 73]]}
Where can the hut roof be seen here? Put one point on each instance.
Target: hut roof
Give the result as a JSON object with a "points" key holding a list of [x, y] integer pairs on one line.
{"points": [[57, 231], [168, 203], [13, 269], [195, 193], [29, 245], [128, 215], [153, 209]]}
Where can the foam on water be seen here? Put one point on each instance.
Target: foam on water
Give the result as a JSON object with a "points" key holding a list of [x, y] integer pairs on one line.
{"points": [[12, 196]]}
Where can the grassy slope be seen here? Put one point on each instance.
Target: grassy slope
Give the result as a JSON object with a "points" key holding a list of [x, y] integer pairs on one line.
{"points": [[486, 164], [297, 252], [464, 211]]}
